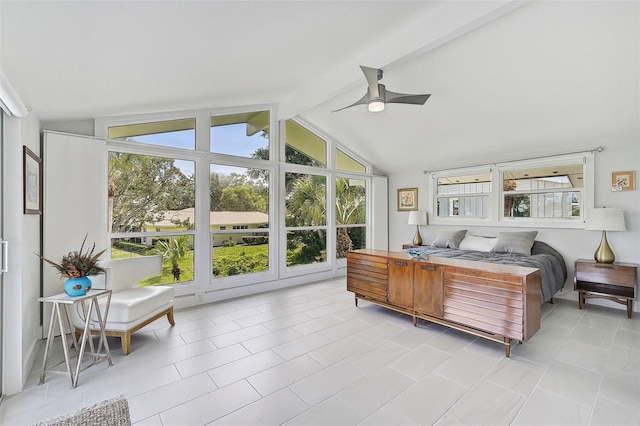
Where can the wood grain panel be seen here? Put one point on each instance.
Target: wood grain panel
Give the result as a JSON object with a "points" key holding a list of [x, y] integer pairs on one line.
{"points": [[367, 275], [400, 283], [427, 289], [497, 302], [621, 274]]}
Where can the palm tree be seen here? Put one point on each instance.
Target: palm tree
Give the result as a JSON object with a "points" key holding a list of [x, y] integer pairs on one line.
{"points": [[350, 209], [306, 203], [306, 206], [174, 250]]}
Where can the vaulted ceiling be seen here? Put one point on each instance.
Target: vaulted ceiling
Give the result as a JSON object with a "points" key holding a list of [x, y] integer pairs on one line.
{"points": [[509, 79]]}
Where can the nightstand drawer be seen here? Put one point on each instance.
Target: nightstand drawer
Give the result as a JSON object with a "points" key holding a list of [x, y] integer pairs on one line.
{"points": [[605, 273]]}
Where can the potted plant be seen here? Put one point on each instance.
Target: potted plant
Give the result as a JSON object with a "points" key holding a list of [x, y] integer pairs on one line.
{"points": [[76, 267]]}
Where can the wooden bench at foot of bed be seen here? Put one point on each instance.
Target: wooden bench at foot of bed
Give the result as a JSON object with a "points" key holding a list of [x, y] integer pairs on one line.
{"points": [[492, 301]]}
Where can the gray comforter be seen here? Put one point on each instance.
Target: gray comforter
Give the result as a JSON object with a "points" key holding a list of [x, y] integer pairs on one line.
{"points": [[553, 270]]}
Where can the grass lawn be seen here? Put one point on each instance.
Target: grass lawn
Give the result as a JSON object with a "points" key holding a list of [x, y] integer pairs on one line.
{"points": [[227, 261]]}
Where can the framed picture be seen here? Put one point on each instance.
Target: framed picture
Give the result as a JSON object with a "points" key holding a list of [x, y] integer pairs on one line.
{"points": [[623, 181], [407, 199], [32, 182]]}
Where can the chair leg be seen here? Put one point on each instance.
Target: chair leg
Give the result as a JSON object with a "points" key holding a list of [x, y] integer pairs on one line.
{"points": [[170, 317], [126, 343]]}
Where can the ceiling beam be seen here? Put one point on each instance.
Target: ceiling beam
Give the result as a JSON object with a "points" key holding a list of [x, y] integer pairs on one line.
{"points": [[425, 32]]}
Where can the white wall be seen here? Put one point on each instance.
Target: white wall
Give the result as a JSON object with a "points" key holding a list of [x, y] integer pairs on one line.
{"points": [[624, 154], [21, 309]]}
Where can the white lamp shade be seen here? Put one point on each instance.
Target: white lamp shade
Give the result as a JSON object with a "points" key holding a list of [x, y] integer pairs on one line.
{"points": [[605, 219], [417, 217]]}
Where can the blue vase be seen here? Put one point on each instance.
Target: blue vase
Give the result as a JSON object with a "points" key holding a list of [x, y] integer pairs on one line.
{"points": [[77, 286]]}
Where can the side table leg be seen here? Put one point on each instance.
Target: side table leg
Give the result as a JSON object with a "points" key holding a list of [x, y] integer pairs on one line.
{"points": [[63, 336], [47, 346], [629, 308], [74, 340], [101, 323], [85, 335]]}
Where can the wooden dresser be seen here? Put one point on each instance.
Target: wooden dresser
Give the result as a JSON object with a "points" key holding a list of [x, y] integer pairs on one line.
{"points": [[496, 302]]}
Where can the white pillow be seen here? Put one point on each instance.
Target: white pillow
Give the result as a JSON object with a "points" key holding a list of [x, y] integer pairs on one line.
{"points": [[476, 243]]}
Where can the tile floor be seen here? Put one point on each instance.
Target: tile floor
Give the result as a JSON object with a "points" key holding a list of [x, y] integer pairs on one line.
{"points": [[307, 355]]}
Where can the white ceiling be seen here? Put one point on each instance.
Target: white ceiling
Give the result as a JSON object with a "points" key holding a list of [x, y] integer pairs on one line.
{"points": [[509, 79]]}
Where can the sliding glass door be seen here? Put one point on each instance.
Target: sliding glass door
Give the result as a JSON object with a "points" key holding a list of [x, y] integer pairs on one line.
{"points": [[3, 247]]}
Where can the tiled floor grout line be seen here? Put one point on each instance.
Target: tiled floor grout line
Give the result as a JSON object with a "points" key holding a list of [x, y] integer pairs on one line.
{"points": [[327, 310]]}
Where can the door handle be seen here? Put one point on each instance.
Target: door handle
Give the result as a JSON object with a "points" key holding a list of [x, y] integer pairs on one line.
{"points": [[5, 256], [399, 263], [428, 267]]}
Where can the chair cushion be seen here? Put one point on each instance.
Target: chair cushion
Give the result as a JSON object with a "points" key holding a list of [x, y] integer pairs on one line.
{"points": [[130, 306]]}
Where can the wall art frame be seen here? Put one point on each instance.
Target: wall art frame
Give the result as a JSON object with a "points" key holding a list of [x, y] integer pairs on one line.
{"points": [[407, 199], [32, 182], [623, 181]]}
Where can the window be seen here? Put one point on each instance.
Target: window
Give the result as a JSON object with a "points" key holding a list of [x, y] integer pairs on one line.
{"points": [[199, 187], [351, 230], [239, 220], [303, 147], [244, 135], [151, 211], [173, 133], [464, 196], [305, 218], [347, 163], [544, 192]]}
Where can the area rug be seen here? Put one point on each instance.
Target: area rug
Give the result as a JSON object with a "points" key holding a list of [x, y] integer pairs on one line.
{"points": [[112, 412]]}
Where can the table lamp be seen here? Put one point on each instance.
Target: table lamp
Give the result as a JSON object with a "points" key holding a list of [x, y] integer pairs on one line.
{"points": [[604, 219], [417, 217]]}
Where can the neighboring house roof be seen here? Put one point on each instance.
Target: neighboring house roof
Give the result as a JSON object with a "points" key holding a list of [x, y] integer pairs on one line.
{"points": [[215, 218]]}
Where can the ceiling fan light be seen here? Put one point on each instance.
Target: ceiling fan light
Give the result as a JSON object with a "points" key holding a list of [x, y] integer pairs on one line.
{"points": [[376, 105]]}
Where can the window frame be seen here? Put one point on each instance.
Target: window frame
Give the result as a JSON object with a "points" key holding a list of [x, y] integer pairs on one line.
{"points": [[277, 165], [496, 210]]}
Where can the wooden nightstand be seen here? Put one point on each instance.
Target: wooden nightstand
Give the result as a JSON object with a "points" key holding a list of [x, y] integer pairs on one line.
{"points": [[613, 281]]}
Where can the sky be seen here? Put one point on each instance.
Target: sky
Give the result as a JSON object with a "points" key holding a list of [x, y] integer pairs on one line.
{"points": [[229, 139]]}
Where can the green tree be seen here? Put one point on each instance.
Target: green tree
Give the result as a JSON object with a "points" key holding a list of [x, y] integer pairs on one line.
{"points": [[306, 205], [174, 250], [350, 203], [216, 186], [242, 198], [350, 210], [142, 187]]}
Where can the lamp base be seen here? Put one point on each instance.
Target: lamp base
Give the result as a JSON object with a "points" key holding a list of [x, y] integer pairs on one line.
{"points": [[417, 240], [603, 253]]}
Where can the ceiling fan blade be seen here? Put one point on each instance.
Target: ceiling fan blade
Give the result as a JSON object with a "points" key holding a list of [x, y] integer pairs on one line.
{"points": [[362, 101], [405, 98], [371, 74]]}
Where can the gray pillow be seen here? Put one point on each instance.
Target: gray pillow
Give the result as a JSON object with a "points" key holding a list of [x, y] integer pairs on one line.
{"points": [[515, 242], [449, 239]]}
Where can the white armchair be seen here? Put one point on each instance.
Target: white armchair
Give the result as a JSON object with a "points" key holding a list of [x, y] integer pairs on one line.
{"points": [[132, 307]]}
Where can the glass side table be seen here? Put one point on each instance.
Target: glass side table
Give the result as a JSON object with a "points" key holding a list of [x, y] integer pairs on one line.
{"points": [[90, 306]]}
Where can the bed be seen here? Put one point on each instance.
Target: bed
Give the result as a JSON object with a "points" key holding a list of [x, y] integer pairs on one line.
{"points": [[553, 270]]}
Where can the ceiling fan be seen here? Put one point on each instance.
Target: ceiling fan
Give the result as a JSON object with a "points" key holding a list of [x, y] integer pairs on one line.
{"points": [[377, 95]]}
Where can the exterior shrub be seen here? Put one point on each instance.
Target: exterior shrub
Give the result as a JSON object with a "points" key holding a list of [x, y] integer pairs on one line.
{"points": [[254, 240]]}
